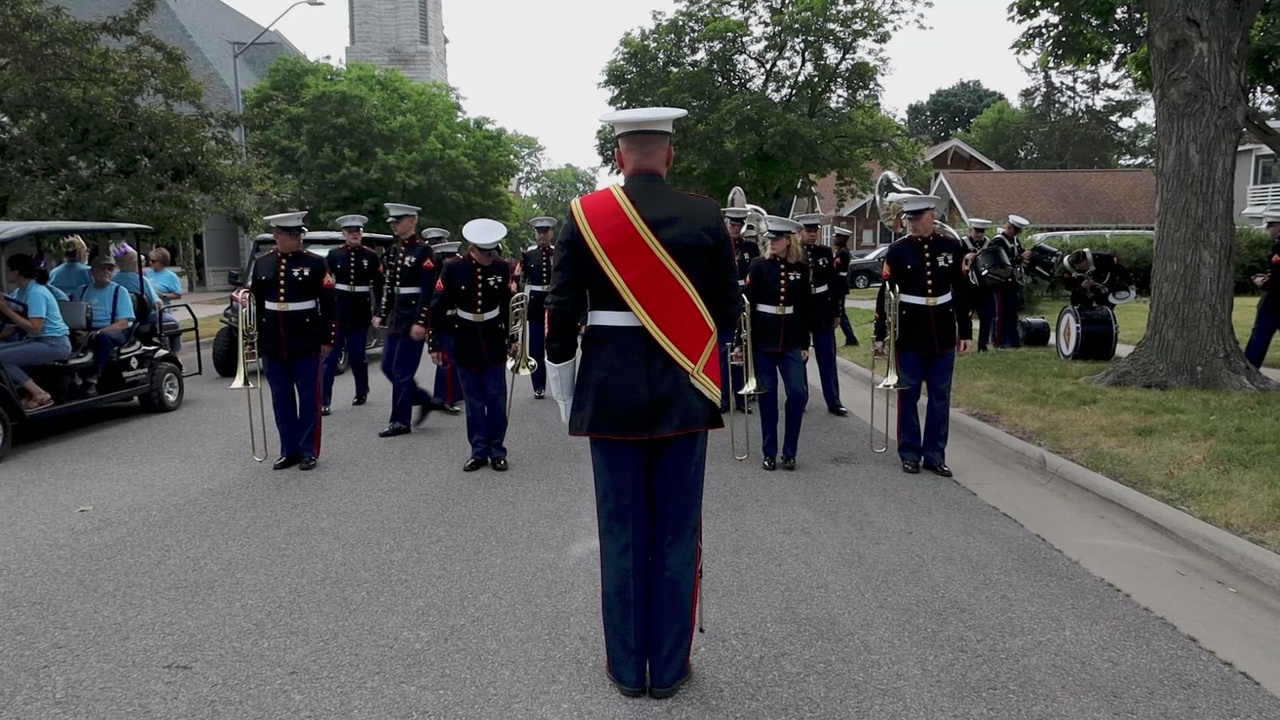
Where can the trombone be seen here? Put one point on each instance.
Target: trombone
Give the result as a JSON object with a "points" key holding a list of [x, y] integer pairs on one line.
{"points": [[750, 387], [521, 364], [247, 335], [891, 382]]}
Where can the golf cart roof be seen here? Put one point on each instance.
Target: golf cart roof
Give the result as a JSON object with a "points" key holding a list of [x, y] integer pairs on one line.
{"points": [[15, 230]]}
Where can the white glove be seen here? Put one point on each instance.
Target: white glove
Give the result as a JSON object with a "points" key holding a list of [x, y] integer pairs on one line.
{"points": [[561, 379]]}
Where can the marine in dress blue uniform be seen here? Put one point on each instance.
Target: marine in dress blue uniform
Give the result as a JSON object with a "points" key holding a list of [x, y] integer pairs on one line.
{"points": [[744, 251], [1267, 320], [646, 419], [358, 278], [828, 304], [984, 297], [534, 274], [1093, 277], [1008, 294], [780, 293], [293, 294], [412, 269], [474, 291], [448, 386], [926, 268], [842, 260]]}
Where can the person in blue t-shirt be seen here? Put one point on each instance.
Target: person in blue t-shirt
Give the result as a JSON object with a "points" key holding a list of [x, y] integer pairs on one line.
{"points": [[126, 260], [168, 285], [72, 273], [47, 337], [113, 316]]}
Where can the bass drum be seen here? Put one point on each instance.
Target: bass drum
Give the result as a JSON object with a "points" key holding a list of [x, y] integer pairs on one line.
{"points": [[1034, 331], [991, 267], [1044, 261], [1087, 333]]}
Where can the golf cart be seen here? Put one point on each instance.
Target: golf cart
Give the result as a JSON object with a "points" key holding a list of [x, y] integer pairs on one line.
{"points": [[226, 344], [143, 368]]}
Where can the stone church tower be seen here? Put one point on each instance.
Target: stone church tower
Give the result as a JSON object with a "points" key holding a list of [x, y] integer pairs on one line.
{"points": [[407, 35]]}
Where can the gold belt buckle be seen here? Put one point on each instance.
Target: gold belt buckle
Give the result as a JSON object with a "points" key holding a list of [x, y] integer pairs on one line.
{"points": [[931, 301], [282, 307]]}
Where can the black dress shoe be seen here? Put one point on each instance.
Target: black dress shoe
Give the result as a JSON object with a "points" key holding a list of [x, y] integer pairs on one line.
{"points": [[499, 464], [939, 469], [395, 429], [910, 466], [325, 411], [424, 410], [841, 411], [450, 409], [308, 463], [285, 462], [788, 463], [623, 689], [359, 400], [538, 394], [474, 464], [769, 464], [663, 693]]}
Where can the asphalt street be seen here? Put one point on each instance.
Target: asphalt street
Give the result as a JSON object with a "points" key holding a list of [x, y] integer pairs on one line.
{"points": [[150, 569]]}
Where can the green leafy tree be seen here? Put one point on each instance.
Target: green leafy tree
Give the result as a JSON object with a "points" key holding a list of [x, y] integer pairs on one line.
{"points": [[776, 92], [950, 110], [347, 140], [1203, 62], [1003, 133], [103, 121], [555, 188]]}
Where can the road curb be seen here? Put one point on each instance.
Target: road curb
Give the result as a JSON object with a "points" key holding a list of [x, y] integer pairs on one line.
{"points": [[1253, 560]]}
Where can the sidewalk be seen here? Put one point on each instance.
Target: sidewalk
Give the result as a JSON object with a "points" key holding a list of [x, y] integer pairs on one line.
{"points": [[1121, 349], [204, 304]]}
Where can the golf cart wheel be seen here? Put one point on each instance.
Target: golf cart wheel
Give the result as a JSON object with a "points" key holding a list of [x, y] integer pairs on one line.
{"points": [[226, 355], [6, 434], [167, 389]]}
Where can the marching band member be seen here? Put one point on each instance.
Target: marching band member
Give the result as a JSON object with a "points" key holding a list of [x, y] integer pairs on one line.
{"points": [[293, 294], [984, 297], [926, 268], [653, 269], [781, 305], [534, 272], [827, 304], [1267, 319], [475, 292], [406, 305], [448, 386], [843, 259], [1008, 295], [1091, 277], [358, 278], [744, 252]]}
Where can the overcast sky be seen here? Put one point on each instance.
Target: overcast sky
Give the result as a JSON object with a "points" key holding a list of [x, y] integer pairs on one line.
{"points": [[526, 65]]}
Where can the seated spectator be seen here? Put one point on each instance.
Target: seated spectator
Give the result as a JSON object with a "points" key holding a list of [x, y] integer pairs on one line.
{"points": [[47, 336], [73, 272], [113, 317], [126, 260], [168, 285]]}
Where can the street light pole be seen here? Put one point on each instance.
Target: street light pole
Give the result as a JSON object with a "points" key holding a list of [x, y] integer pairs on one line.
{"points": [[235, 65]]}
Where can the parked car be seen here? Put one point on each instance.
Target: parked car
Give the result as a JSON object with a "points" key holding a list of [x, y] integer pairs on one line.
{"points": [[865, 271], [226, 344]]}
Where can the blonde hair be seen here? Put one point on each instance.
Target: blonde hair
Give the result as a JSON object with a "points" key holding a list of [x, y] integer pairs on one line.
{"points": [[794, 253]]}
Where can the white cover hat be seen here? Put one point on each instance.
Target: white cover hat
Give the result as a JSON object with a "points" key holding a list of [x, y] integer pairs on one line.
{"points": [[1018, 221], [435, 233], [979, 223], [395, 211], [809, 219], [918, 203], [287, 221], [543, 222], [655, 120], [842, 231], [777, 225], [735, 213], [484, 233], [347, 221]]}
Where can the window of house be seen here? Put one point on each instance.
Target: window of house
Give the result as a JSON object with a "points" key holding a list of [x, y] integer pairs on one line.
{"points": [[424, 23], [1266, 171]]}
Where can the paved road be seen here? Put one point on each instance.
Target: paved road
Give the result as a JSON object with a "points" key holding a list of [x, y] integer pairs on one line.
{"points": [[388, 584]]}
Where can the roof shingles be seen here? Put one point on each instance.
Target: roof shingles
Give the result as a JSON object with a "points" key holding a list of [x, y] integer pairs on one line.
{"points": [[1058, 198]]}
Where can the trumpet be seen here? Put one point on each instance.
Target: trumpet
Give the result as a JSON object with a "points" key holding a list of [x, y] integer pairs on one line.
{"points": [[521, 364], [247, 336], [891, 381], [750, 387]]}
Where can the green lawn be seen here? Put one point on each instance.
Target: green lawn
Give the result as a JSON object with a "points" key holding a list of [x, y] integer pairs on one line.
{"points": [[1211, 454]]}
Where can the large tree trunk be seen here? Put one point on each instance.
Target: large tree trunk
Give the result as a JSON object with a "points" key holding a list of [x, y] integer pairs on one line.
{"points": [[1198, 54]]}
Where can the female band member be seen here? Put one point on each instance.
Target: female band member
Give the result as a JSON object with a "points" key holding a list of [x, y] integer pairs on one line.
{"points": [[778, 290]]}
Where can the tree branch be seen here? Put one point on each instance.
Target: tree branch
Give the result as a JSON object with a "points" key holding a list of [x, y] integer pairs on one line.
{"points": [[1257, 125]]}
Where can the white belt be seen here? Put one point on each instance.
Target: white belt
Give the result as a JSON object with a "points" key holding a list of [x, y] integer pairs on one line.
{"points": [[408, 291], [820, 289], [776, 309], [614, 318], [353, 288], [476, 317], [287, 306], [921, 300], [742, 283], [844, 274], [451, 312], [538, 288]]}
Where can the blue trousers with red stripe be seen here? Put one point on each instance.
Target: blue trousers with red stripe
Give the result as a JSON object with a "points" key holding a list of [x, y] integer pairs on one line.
{"points": [[295, 400], [448, 387], [649, 510], [933, 369], [1008, 303]]}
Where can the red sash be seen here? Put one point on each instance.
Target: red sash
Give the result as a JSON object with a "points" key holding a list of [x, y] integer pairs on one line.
{"points": [[653, 286]]}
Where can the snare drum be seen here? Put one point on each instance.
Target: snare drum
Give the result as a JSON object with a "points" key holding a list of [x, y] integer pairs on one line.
{"points": [[1087, 333], [1044, 261], [1034, 331], [992, 267]]}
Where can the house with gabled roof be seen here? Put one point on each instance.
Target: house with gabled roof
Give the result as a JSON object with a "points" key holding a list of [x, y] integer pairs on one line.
{"points": [[1088, 199]]}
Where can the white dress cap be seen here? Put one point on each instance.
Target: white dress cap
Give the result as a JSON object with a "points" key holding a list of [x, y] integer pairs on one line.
{"points": [[447, 247], [809, 219], [435, 233], [842, 231], [395, 211], [347, 221], [484, 233], [777, 225], [654, 120], [735, 213], [918, 203], [979, 223], [286, 221], [1018, 221], [543, 222]]}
